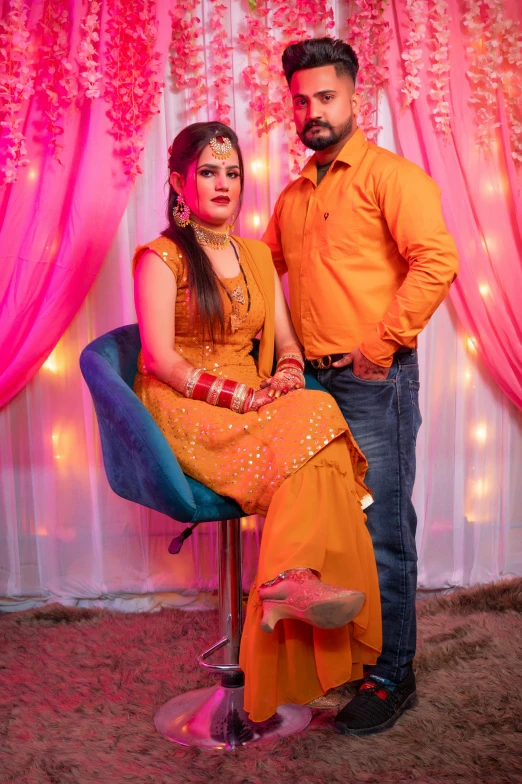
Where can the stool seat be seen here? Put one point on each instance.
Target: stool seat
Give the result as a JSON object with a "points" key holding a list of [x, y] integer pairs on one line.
{"points": [[141, 467], [131, 439]]}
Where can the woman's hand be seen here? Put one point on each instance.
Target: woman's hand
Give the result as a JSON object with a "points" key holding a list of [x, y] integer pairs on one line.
{"points": [[283, 382], [261, 398]]}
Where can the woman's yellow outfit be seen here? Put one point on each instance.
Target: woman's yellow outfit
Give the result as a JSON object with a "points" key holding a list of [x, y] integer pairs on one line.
{"points": [[294, 462]]}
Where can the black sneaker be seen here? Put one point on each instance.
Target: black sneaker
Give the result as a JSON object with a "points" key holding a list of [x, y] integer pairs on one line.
{"points": [[376, 706]]}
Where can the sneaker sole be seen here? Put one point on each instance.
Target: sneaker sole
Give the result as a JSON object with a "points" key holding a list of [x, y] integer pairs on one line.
{"points": [[411, 702]]}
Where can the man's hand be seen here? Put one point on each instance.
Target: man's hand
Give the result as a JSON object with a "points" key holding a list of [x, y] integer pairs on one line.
{"points": [[362, 367]]}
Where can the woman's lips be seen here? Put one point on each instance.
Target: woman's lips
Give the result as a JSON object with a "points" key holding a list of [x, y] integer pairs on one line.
{"points": [[221, 200]]}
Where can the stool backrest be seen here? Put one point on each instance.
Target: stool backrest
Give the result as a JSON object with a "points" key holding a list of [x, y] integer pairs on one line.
{"points": [[139, 462]]}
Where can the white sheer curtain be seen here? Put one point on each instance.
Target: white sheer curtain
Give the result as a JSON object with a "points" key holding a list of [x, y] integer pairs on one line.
{"points": [[64, 536]]}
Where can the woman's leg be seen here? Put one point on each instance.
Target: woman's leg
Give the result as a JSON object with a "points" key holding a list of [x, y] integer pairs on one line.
{"points": [[315, 520]]}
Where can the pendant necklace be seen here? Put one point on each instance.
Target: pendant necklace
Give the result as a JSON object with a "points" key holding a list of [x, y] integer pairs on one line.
{"points": [[237, 297]]}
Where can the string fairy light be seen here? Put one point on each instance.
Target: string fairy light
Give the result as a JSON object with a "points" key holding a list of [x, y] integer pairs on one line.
{"points": [[481, 487], [257, 166], [51, 363], [481, 433], [472, 344]]}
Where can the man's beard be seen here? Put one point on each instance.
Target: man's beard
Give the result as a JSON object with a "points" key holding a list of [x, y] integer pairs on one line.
{"points": [[322, 142]]}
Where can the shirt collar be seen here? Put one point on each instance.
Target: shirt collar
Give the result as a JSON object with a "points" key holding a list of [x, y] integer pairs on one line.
{"points": [[350, 154]]}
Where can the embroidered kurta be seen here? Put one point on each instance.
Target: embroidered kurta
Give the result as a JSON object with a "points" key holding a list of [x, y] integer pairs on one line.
{"points": [[243, 456]]}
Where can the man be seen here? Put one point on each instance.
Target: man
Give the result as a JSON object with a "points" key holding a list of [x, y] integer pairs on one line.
{"points": [[369, 259]]}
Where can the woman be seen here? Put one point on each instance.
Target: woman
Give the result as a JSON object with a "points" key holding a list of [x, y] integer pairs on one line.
{"points": [[202, 295]]}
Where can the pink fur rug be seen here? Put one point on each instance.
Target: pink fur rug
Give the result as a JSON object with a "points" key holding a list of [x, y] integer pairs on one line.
{"points": [[78, 691]]}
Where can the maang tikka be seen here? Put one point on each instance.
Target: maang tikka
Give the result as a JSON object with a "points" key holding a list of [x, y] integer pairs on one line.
{"points": [[221, 147], [181, 212]]}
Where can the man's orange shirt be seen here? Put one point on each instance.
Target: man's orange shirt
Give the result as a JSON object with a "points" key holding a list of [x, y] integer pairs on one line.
{"points": [[368, 255]]}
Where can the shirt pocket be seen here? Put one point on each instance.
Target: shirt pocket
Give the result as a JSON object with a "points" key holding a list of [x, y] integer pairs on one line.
{"points": [[337, 234]]}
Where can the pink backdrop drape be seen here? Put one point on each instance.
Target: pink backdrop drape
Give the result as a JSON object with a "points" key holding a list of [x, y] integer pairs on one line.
{"points": [[481, 194], [58, 220], [66, 537]]}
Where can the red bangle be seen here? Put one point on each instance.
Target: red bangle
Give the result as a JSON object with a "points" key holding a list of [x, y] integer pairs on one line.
{"points": [[227, 393], [290, 362], [248, 401], [217, 391], [202, 387]]}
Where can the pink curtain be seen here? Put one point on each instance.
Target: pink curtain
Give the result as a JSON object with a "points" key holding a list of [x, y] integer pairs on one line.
{"points": [[58, 219], [481, 193]]}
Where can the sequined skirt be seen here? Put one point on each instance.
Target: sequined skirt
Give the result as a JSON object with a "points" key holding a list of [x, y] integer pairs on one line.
{"points": [[246, 457]]}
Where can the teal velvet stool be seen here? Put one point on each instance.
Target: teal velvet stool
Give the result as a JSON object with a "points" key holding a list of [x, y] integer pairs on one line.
{"points": [[141, 467]]}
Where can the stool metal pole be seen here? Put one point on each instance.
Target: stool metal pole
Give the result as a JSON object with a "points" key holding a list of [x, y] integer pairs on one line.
{"points": [[230, 588], [214, 718]]}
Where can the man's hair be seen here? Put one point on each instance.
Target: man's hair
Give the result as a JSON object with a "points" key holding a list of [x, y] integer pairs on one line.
{"points": [[317, 52]]}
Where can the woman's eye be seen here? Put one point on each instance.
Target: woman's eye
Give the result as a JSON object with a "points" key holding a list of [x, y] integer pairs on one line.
{"points": [[327, 97], [233, 175], [206, 172]]}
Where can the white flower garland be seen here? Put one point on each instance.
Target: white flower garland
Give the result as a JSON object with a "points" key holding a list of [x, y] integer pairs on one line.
{"points": [[412, 56], [16, 87], [440, 65], [88, 58]]}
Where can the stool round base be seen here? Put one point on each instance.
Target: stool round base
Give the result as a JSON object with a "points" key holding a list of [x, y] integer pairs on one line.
{"points": [[214, 718]]}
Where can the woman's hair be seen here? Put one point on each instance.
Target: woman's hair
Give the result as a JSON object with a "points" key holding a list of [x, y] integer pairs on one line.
{"points": [[205, 294], [318, 52]]}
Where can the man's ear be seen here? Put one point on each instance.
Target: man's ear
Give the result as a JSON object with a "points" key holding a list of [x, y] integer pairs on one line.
{"points": [[356, 102]]}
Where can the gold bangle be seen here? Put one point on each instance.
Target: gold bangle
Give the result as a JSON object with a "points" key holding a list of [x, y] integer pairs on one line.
{"points": [[192, 380], [238, 398], [289, 369], [215, 391], [299, 358]]}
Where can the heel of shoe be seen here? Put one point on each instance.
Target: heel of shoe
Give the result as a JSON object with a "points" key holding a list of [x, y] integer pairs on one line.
{"points": [[271, 615], [322, 613]]}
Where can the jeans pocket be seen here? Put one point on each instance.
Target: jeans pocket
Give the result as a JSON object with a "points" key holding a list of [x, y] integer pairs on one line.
{"points": [[392, 374], [416, 414]]}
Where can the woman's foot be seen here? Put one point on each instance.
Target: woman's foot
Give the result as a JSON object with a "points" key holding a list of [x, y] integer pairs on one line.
{"points": [[299, 594]]}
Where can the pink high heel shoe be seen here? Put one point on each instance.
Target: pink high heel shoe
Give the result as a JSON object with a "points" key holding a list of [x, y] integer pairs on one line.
{"points": [[300, 594]]}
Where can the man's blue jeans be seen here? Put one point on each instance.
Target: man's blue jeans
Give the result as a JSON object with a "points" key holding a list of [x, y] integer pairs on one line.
{"points": [[384, 419]]}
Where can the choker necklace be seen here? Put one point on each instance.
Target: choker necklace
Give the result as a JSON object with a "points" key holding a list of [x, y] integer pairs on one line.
{"points": [[214, 239]]}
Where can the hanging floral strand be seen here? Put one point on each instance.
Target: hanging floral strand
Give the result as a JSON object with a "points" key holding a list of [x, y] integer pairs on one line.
{"points": [[132, 82], [512, 51], [263, 70], [484, 72], [369, 34], [56, 84], [186, 63], [16, 87], [439, 69], [221, 63], [507, 32], [88, 58], [412, 56]]}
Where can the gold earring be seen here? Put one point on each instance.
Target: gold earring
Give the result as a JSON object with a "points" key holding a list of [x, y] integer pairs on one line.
{"points": [[181, 212]]}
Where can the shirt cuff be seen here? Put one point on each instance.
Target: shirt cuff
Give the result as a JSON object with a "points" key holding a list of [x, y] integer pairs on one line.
{"points": [[379, 351]]}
